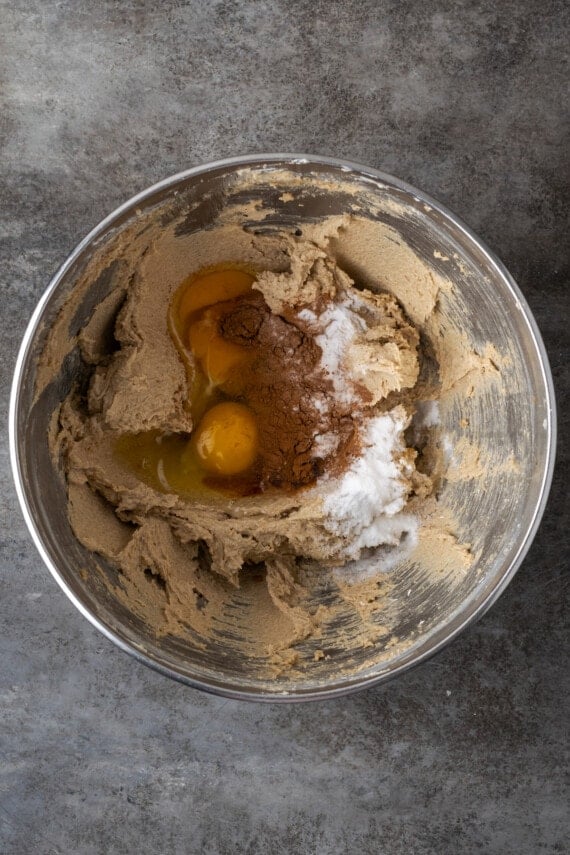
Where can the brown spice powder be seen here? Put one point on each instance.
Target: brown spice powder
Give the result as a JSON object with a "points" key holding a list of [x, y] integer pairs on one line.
{"points": [[281, 383]]}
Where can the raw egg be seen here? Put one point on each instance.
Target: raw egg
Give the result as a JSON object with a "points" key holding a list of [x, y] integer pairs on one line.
{"points": [[217, 357], [222, 450], [217, 286], [225, 441]]}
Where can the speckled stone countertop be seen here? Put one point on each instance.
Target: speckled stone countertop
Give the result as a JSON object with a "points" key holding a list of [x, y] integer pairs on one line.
{"points": [[468, 753]]}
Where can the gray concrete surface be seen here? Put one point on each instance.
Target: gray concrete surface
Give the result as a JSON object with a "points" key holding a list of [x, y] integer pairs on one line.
{"points": [[466, 754]]}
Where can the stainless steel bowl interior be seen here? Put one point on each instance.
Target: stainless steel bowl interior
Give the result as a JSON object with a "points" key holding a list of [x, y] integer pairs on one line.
{"points": [[499, 515]]}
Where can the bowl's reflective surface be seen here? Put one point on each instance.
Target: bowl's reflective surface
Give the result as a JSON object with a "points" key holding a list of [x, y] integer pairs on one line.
{"points": [[498, 521]]}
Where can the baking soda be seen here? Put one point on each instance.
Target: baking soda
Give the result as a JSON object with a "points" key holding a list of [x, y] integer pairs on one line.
{"points": [[364, 505]]}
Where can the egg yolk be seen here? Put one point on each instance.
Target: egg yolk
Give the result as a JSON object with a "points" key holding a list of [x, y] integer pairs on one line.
{"points": [[218, 286], [225, 441], [217, 357]]}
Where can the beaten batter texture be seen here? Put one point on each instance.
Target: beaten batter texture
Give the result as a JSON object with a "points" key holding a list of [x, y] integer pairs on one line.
{"points": [[341, 379]]}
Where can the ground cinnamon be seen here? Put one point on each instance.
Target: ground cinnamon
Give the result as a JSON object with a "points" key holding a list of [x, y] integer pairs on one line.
{"points": [[282, 383]]}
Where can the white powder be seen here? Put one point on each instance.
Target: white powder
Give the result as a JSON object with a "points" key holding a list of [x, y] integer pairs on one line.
{"points": [[427, 414], [320, 403], [448, 450], [338, 326], [386, 557], [325, 444], [307, 316], [425, 417], [363, 506]]}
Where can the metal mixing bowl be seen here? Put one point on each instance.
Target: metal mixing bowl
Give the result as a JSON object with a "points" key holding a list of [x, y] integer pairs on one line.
{"points": [[500, 522]]}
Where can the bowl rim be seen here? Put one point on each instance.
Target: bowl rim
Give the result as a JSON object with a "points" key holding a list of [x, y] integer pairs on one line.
{"points": [[378, 176]]}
